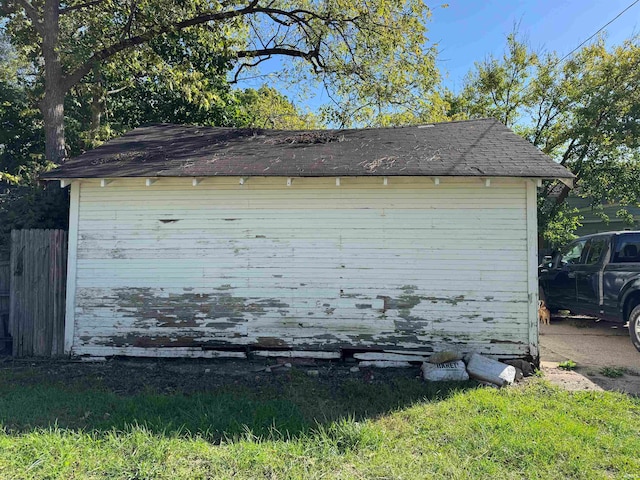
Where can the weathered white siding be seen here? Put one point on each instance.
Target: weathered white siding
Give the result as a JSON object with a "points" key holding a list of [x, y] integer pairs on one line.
{"points": [[312, 266]]}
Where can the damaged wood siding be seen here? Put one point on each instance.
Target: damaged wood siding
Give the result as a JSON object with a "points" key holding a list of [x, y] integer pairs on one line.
{"points": [[313, 266]]}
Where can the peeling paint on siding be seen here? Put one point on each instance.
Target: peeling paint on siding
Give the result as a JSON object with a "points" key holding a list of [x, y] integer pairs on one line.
{"points": [[301, 268]]}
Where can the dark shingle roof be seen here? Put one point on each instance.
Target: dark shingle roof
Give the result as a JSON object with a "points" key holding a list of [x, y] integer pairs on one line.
{"points": [[468, 148]]}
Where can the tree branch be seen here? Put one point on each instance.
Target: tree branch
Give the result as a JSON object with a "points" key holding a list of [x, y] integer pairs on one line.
{"points": [[75, 76], [260, 52], [127, 29], [568, 152], [248, 65], [80, 6], [33, 15], [117, 90], [300, 17]]}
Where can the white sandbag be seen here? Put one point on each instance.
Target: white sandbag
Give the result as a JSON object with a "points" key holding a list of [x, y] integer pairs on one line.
{"points": [[445, 372], [445, 356], [488, 370]]}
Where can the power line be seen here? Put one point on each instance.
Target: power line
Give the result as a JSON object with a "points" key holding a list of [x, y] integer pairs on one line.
{"points": [[599, 30], [555, 64]]}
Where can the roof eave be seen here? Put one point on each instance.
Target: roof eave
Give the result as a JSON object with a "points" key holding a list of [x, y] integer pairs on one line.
{"points": [[568, 180]]}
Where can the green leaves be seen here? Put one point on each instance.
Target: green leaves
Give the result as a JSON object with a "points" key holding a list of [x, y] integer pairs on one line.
{"points": [[373, 58], [266, 108], [583, 112]]}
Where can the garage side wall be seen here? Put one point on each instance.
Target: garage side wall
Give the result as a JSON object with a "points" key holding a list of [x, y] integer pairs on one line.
{"points": [[173, 269]]}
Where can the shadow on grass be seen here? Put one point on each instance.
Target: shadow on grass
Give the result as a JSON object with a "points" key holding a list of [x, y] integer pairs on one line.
{"points": [[266, 405]]}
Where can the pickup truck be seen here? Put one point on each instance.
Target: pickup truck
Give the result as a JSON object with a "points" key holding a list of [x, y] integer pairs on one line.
{"points": [[597, 275]]}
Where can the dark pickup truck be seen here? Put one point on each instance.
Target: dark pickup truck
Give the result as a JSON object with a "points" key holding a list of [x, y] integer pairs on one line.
{"points": [[597, 275]]}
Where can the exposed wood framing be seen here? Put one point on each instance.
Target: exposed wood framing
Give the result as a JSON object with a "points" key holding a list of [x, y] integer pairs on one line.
{"points": [[383, 364], [396, 357], [416, 353], [297, 354], [165, 352]]}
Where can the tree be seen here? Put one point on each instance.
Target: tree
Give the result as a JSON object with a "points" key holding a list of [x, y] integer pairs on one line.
{"points": [[584, 112], [267, 108], [127, 99], [368, 50], [23, 204]]}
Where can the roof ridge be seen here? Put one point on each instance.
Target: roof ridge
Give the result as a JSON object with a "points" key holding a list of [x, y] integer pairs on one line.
{"points": [[390, 127], [472, 148]]}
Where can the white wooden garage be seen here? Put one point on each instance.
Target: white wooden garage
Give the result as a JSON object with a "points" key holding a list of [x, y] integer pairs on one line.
{"points": [[194, 241]]}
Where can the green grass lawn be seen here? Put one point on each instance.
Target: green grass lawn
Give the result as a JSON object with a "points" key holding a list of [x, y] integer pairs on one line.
{"points": [[294, 426]]}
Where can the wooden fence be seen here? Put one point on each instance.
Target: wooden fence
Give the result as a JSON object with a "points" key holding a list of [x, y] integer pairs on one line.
{"points": [[37, 292], [5, 281]]}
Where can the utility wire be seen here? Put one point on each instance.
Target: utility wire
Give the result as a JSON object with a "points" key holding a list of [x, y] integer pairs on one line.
{"points": [[599, 30], [518, 90]]}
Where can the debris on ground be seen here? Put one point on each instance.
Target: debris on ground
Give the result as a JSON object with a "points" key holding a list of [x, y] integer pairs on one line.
{"points": [[445, 372], [568, 365], [445, 357], [519, 374], [473, 365], [525, 367], [488, 370]]}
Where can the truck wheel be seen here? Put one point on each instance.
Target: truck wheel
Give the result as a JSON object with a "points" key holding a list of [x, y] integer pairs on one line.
{"points": [[634, 327]]}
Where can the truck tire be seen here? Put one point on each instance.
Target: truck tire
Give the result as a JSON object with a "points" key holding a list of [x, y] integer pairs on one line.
{"points": [[634, 327]]}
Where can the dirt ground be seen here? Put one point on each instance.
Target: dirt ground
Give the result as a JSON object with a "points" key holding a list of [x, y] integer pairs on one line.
{"points": [[601, 350], [190, 376]]}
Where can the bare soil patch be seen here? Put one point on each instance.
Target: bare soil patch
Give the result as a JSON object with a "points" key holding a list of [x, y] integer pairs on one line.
{"points": [[602, 351], [190, 376]]}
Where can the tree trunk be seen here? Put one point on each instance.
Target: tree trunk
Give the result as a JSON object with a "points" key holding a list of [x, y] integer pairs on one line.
{"points": [[53, 113], [96, 116], [52, 106], [96, 105]]}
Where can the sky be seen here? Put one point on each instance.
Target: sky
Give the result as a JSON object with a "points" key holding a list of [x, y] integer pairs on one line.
{"points": [[469, 30]]}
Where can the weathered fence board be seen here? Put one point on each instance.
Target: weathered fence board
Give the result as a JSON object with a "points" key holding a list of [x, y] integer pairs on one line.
{"points": [[5, 280], [37, 292]]}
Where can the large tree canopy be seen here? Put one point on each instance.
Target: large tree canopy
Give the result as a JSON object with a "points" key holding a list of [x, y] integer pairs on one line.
{"points": [[369, 53], [583, 111], [122, 97]]}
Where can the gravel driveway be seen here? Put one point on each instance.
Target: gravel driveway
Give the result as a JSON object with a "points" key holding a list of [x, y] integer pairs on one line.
{"points": [[602, 351]]}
